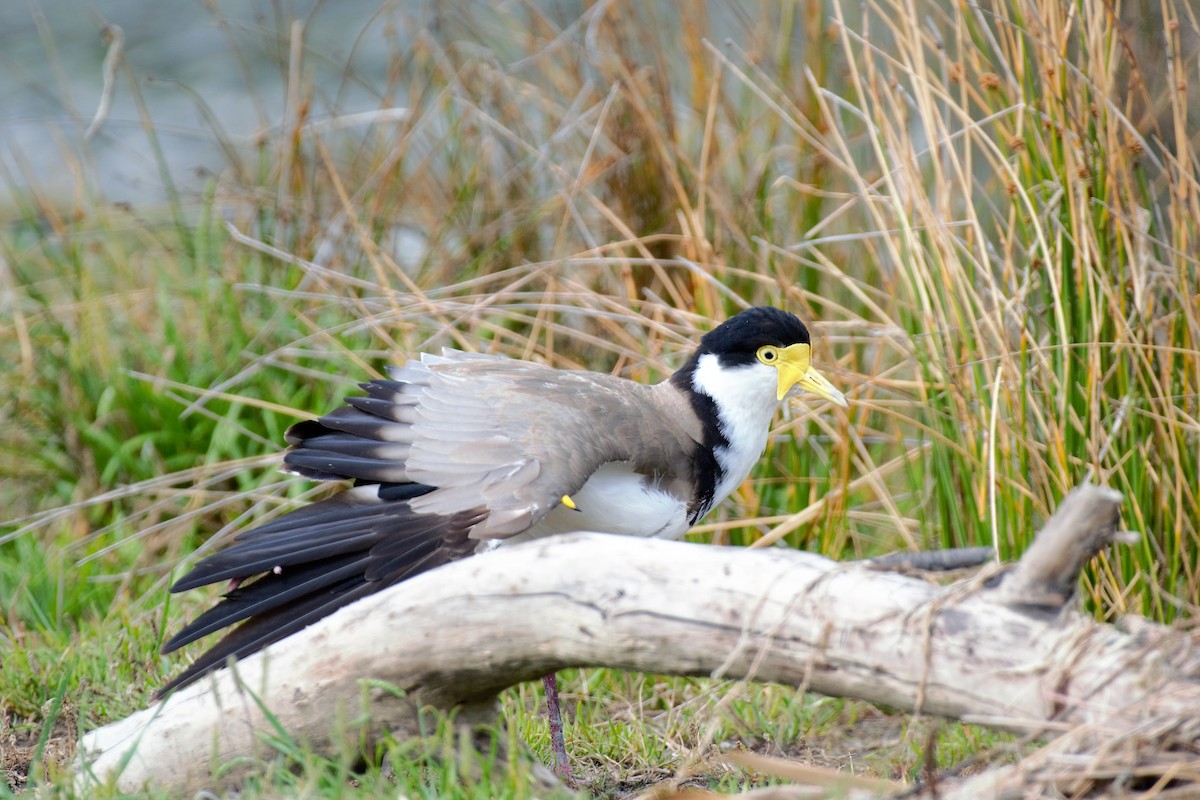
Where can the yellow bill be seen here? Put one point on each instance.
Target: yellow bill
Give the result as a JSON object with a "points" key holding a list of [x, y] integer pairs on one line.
{"points": [[795, 369]]}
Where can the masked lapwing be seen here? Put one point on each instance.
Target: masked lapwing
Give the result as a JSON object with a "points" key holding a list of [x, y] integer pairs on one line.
{"points": [[461, 452]]}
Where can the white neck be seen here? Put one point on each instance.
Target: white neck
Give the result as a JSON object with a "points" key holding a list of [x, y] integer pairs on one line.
{"points": [[745, 400]]}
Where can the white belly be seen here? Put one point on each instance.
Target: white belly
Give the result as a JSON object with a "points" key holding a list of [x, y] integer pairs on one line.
{"points": [[615, 500]]}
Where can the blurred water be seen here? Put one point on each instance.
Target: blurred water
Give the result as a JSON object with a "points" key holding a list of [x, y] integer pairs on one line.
{"points": [[233, 55]]}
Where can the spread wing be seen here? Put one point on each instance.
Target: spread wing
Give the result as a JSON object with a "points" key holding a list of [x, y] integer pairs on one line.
{"points": [[452, 450], [515, 437]]}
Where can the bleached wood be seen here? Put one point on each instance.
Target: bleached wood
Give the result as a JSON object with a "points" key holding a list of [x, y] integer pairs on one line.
{"points": [[460, 634]]}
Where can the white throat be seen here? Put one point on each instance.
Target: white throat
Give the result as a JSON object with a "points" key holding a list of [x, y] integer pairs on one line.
{"points": [[745, 400]]}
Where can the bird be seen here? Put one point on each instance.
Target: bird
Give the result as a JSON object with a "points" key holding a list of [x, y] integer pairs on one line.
{"points": [[458, 453]]}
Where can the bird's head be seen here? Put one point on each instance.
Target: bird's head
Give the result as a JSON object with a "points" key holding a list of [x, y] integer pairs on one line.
{"points": [[760, 349]]}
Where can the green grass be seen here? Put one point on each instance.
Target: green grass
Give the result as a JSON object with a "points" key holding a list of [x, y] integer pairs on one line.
{"points": [[988, 212]]}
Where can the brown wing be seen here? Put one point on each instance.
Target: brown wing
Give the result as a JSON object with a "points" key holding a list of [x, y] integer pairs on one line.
{"points": [[452, 450], [514, 437]]}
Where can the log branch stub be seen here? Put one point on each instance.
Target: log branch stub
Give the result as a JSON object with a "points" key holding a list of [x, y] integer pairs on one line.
{"points": [[1048, 572]]}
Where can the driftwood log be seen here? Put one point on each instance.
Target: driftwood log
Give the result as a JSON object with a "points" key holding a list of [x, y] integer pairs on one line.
{"points": [[1007, 649]]}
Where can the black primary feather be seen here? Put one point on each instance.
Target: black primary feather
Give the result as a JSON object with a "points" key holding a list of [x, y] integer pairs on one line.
{"points": [[343, 557], [318, 558]]}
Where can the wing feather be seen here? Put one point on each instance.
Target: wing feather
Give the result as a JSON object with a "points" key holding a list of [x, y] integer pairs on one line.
{"points": [[313, 561], [548, 431], [452, 449]]}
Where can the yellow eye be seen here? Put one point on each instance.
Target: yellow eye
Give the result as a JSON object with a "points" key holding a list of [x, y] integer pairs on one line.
{"points": [[768, 354]]}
